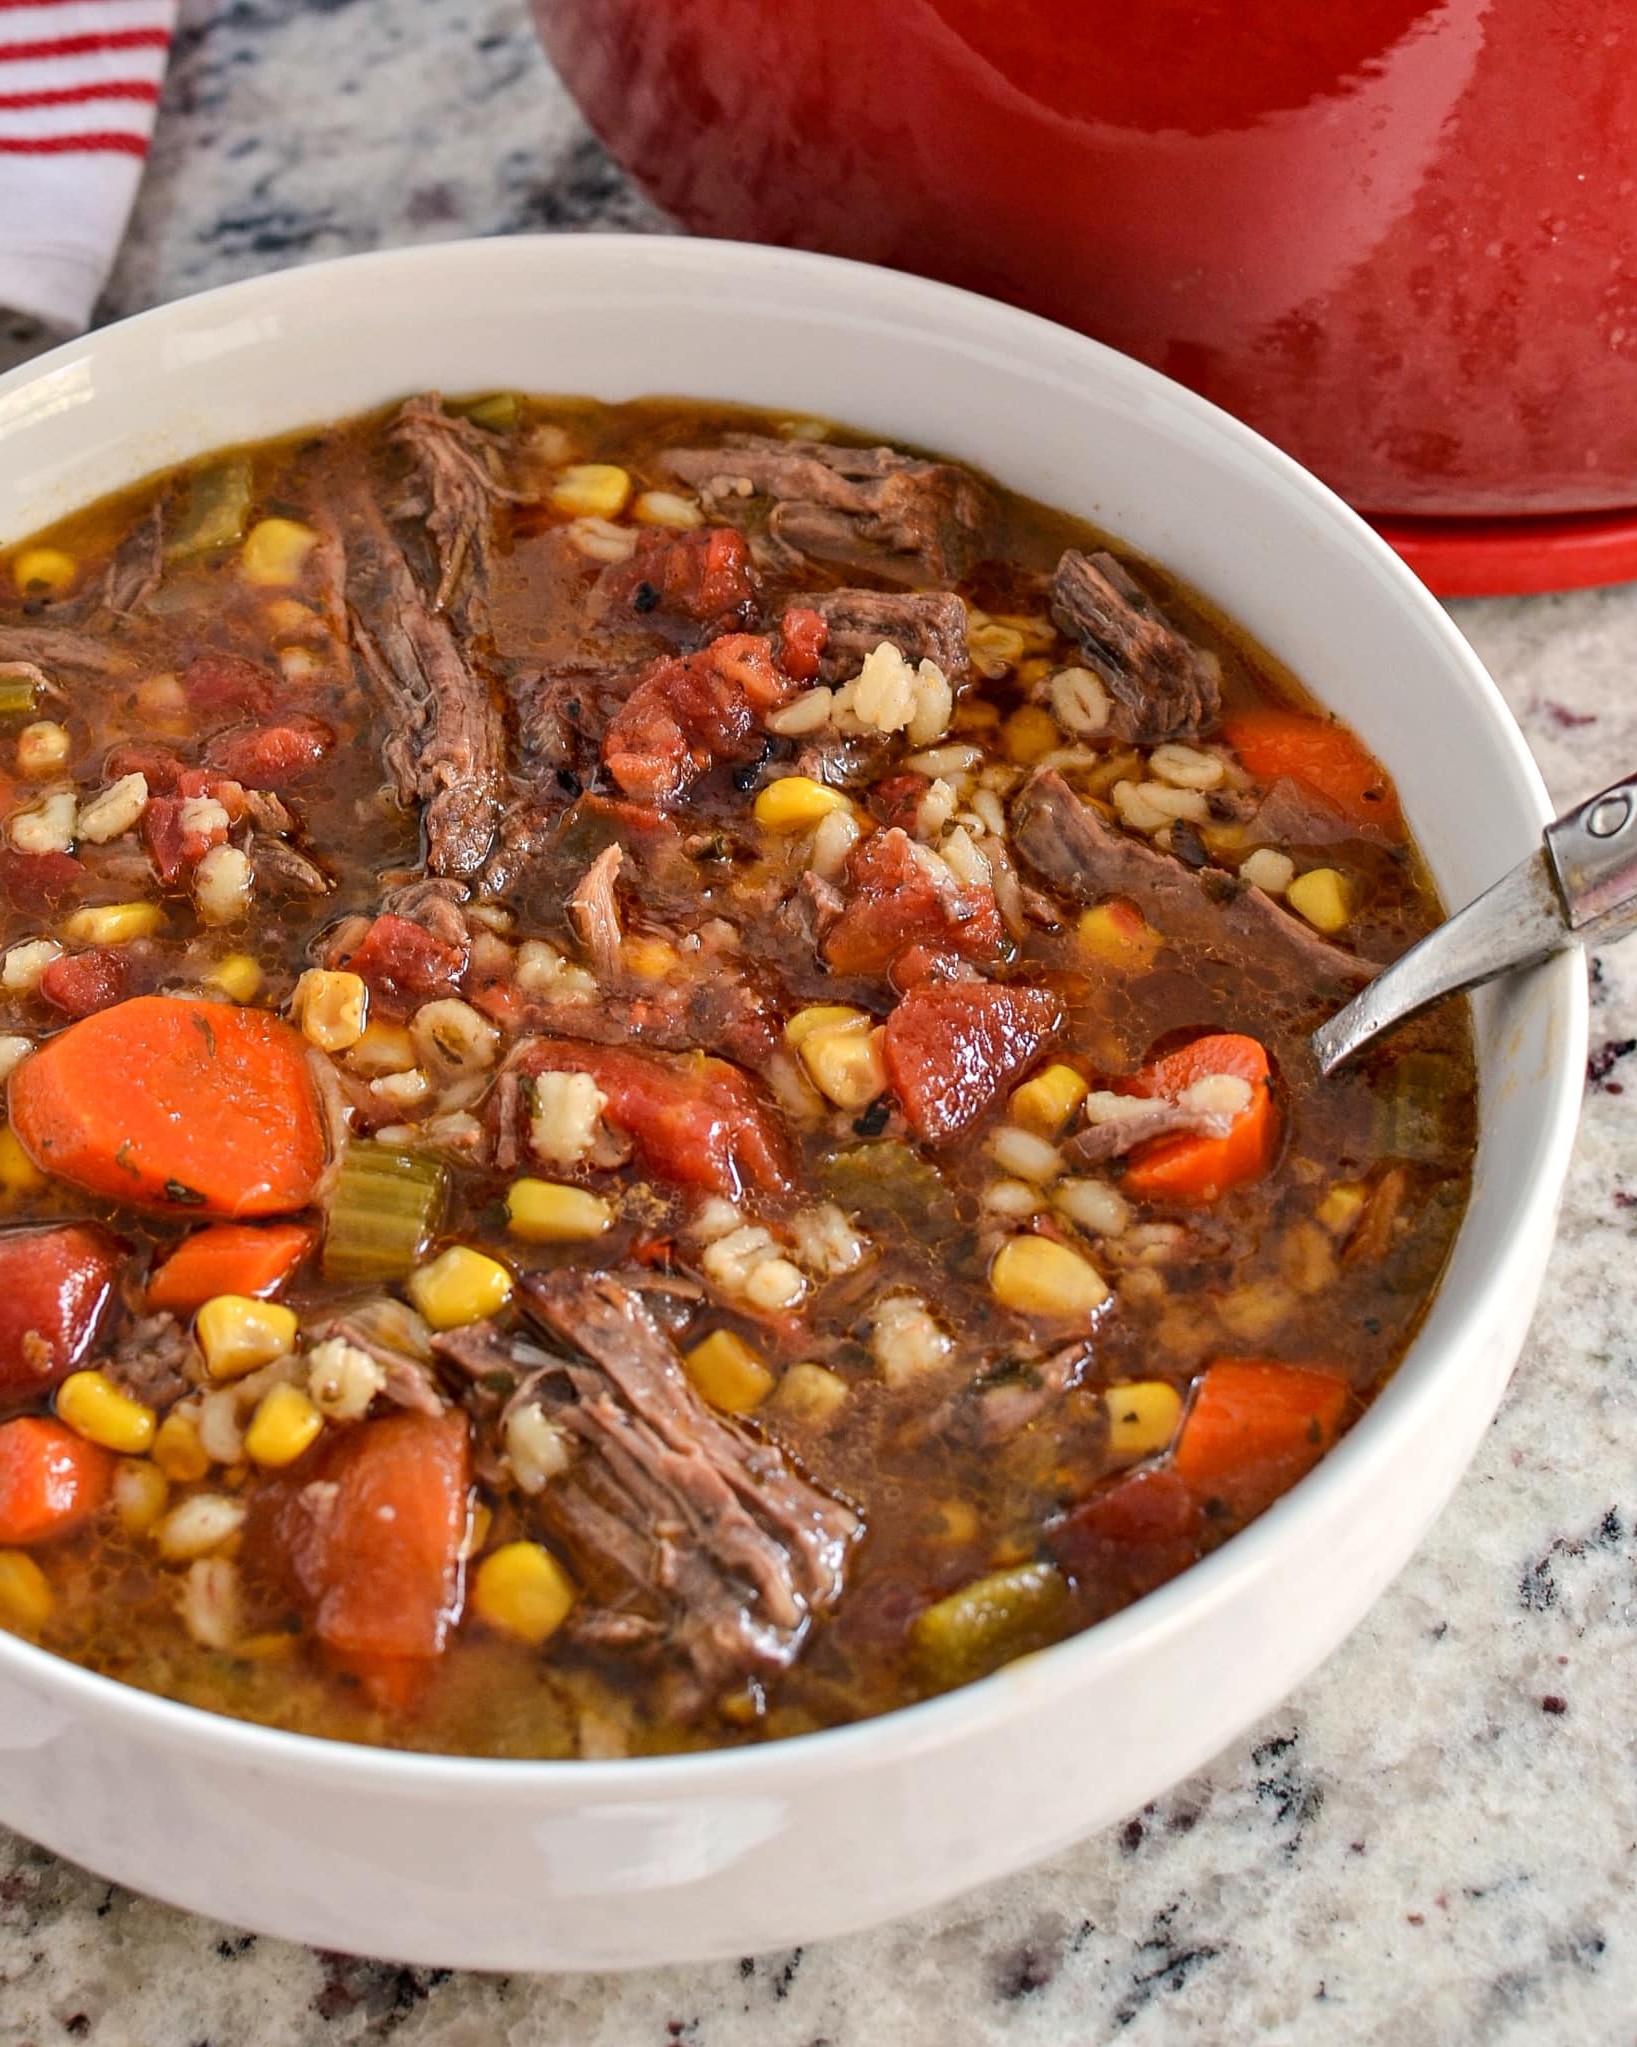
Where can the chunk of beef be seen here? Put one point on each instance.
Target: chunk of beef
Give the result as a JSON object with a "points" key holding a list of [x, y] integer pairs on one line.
{"points": [[687, 714], [56, 648], [282, 869], [434, 903], [1003, 1401], [924, 625], [458, 464], [1070, 847], [135, 567], [444, 742], [594, 914], [1163, 686], [1139, 1122], [671, 1512], [925, 522], [151, 1361]]}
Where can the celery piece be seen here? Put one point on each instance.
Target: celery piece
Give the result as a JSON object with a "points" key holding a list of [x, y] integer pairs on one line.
{"points": [[990, 1622], [19, 695], [499, 412], [218, 510], [888, 1182], [383, 1211]]}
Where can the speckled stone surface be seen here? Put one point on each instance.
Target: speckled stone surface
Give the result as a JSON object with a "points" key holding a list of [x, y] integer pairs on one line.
{"points": [[1435, 1840]]}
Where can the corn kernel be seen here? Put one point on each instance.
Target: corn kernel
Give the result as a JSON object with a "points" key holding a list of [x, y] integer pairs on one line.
{"points": [[728, 1373], [284, 1424], [18, 1172], [1036, 1276], [275, 552], [1045, 1104], [795, 803], [1142, 1417], [177, 1450], [952, 1521], [1029, 734], [113, 923], [239, 1335], [1338, 1211], [44, 568], [384, 1048], [479, 1520], [140, 1493], [820, 1016], [543, 1212], [238, 976], [1321, 896], [521, 1590], [1118, 936], [809, 1393], [650, 959], [846, 1064], [25, 1594], [95, 1408], [332, 1007], [459, 1286], [591, 490]]}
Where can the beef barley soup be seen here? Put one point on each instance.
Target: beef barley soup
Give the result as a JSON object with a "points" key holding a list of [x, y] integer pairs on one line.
{"points": [[655, 1080]]}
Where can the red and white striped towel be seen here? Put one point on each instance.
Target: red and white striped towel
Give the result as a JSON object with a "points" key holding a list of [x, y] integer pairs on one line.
{"points": [[79, 87]]}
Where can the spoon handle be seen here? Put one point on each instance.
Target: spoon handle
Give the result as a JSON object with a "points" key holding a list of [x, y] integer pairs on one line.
{"points": [[1578, 886]]}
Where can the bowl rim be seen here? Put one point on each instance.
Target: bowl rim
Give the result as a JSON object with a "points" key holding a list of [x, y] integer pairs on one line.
{"points": [[1392, 1416]]}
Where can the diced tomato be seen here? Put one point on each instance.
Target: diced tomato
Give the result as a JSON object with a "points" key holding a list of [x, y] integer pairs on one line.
{"points": [[220, 687], [269, 756], [803, 637], [694, 1119], [897, 901], [403, 964], [56, 1288], [158, 766], [366, 1532], [918, 964], [1192, 1171], [1131, 1536], [50, 1480], [689, 712], [950, 1048], [896, 799], [174, 847], [205, 782], [37, 882], [704, 575], [1253, 1428], [80, 983]]}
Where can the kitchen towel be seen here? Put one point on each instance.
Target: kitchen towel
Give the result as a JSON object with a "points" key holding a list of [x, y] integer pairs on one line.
{"points": [[79, 88]]}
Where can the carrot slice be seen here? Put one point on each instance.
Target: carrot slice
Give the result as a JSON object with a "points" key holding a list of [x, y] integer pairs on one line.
{"points": [[373, 1549], [50, 1479], [1323, 755], [1253, 1428], [1192, 1171], [229, 1258], [170, 1102]]}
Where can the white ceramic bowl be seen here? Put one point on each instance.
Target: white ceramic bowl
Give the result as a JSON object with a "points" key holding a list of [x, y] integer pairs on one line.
{"points": [[570, 1865]]}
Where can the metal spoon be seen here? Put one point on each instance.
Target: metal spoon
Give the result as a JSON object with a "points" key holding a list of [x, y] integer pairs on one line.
{"points": [[1578, 887]]}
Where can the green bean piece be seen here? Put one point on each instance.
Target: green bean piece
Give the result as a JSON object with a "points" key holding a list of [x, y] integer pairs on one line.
{"points": [[217, 511], [384, 1209], [990, 1622]]}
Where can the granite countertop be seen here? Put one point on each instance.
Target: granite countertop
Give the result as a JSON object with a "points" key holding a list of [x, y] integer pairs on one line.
{"points": [[1435, 1839]]}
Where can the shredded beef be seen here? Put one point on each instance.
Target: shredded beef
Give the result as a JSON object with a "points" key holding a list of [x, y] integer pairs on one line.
{"points": [[457, 462], [54, 647], [445, 739], [924, 625], [1145, 1120], [280, 869], [1163, 686], [594, 914], [923, 521], [671, 1512], [1069, 846], [135, 567]]}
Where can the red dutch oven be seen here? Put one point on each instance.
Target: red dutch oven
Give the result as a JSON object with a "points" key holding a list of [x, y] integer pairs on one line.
{"points": [[1398, 236]]}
